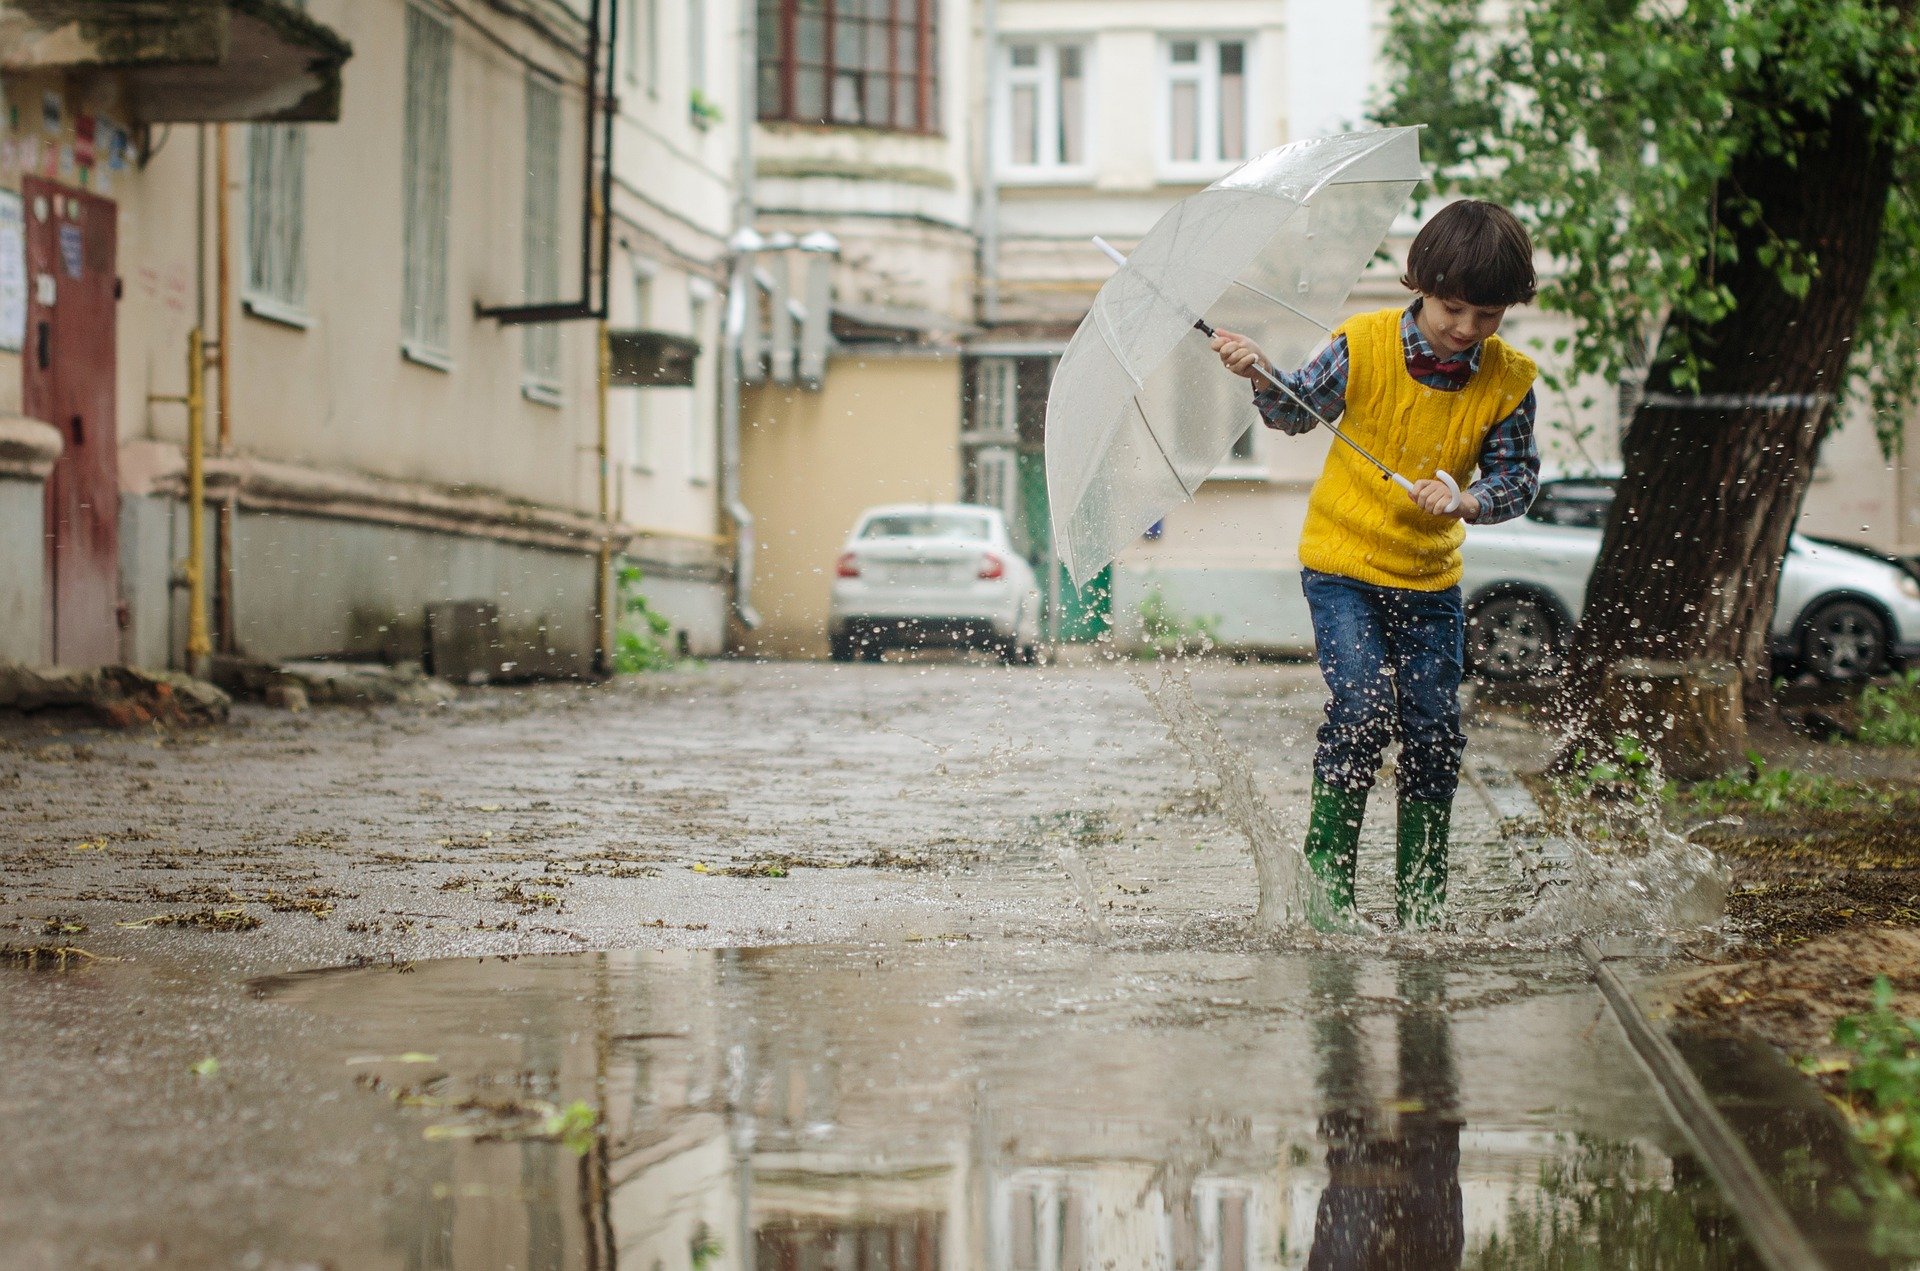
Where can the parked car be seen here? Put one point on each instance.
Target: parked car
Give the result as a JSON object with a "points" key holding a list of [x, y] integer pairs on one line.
{"points": [[1843, 612], [933, 574]]}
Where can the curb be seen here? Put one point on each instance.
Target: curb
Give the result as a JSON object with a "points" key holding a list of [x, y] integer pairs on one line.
{"points": [[1545, 862]]}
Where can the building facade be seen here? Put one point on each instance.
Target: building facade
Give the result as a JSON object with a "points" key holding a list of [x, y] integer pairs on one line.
{"points": [[398, 276]]}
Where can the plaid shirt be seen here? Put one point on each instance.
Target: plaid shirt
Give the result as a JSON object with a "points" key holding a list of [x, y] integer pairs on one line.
{"points": [[1509, 461]]}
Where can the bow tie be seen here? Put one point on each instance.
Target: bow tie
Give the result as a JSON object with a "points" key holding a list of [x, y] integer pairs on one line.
{"points": [[1422, 365]]}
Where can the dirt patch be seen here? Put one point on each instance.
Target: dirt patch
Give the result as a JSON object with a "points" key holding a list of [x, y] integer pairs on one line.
{"points": [[1793, 996]]}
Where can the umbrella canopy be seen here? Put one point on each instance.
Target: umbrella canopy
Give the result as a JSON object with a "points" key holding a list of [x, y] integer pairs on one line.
{"points": [[1140, 411]]}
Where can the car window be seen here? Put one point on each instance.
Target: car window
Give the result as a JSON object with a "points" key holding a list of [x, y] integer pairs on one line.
{"points": [[1581, 504], [959, 525]]}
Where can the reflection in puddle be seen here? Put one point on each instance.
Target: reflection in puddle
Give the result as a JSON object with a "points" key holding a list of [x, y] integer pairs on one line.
{"points": [[947, 1109]]}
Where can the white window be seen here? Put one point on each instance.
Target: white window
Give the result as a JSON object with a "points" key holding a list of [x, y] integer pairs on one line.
{"points": [[1205, 110], [541, 352], [276, 222], [697, 48], [427, 187], [1043, 107], [650, 37], [640, 447], [700, 439]]}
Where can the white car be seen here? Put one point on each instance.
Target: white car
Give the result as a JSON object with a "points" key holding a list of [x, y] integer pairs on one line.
{"points": [[1842, 613], [940, 573]]}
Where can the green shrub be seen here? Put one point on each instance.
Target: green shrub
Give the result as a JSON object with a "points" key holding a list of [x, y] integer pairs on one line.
{"points": [[1890, 715], [1166, 632], [640, 636]]}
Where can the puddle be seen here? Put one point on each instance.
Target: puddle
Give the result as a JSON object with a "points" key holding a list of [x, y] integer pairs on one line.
{"points": [[944, 1107]]}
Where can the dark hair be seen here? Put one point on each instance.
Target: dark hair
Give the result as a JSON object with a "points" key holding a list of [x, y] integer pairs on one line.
{"points": [[1473, 251]]}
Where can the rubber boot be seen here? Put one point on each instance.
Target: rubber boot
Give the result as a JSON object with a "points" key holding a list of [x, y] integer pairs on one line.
{"points": [[1420, 866], [1332, 850]]}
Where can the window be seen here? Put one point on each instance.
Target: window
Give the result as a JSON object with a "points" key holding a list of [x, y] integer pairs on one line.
{"points": [[427, 188], [697, 54], [640, 449], [699, 432], [1206, 103], [862, 62], [1043, 107], [541, 235], [276, 222]]}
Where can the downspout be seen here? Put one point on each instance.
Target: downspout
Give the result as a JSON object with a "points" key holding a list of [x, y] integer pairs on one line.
{"points": [[224, 624], [739, 293], [988, 176], [604, 618]]}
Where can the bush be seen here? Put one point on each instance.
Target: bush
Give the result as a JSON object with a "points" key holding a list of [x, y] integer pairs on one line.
{"points": [[1890, 715], [640, 636], [1168, 633]]}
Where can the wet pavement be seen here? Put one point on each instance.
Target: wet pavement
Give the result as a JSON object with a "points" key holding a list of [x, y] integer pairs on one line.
{"points": [[936, 965]]}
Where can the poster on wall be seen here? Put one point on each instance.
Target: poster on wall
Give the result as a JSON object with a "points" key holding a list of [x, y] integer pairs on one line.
{"points": [[13, 273]]}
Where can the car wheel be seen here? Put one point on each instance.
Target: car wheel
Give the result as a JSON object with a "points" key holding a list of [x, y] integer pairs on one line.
{"points": [[1844, 640], [1513, 637]]}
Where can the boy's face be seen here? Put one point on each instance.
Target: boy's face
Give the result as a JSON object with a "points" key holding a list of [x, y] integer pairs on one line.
{"points": [[1452, 326]]}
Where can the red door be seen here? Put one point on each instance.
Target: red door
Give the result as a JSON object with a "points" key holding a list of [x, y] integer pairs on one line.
{"points": [[69, 383]]}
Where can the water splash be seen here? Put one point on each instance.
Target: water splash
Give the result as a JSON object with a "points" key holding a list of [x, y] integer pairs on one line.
{"points": [[1276, 860], [1673, 885], [1074, 866]]}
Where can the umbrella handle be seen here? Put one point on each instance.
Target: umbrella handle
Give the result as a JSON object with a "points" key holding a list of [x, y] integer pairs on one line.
{"points": [[1444, 477]]}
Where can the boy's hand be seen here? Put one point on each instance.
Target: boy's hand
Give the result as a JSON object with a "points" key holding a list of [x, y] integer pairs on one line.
{"points": [[1433, 498], [1238, 354]]}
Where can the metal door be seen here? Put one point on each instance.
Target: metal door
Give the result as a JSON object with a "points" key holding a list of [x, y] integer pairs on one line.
{"points": [[69, 382]]}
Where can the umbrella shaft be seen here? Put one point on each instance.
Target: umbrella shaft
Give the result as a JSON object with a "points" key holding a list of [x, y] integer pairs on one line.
{"points": [[1326, 423]]}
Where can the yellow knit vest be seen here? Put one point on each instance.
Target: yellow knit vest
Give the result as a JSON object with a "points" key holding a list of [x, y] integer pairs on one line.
{"points": [[1363, 526]]}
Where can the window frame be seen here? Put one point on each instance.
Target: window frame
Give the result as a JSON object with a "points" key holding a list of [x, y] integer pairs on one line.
{"points": [[1045, 79], [426, 336], [1209, 163], [702, 459], [782, 18], [540, 352], [283, 297]]}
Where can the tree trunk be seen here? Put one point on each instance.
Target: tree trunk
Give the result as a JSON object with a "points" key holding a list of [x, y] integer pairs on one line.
{"points": [[1713, 481]]}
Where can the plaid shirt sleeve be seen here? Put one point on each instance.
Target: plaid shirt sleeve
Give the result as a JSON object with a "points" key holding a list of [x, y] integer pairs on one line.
{"points": [[1509, 466], [1321, 384]]}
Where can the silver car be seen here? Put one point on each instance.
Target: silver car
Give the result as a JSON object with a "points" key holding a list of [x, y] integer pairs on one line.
{"points": [[940, 573], [1842, 612]]}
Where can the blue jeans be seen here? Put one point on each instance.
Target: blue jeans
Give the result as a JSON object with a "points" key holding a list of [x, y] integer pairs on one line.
{"points": [[1392, 660]]}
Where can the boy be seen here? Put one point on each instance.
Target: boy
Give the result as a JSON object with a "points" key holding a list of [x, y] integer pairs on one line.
{"points": [[1423, 388]]}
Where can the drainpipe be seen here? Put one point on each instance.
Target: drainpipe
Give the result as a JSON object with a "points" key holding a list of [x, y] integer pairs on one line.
{"points": [[987, 175], [194, 569], [603, 614], [739, 293], [223, 626]]}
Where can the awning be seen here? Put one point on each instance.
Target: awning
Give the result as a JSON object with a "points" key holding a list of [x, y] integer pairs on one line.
{"points": [[651, 359], [187, 61]]}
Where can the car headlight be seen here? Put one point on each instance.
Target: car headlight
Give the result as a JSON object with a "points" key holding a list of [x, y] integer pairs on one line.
{"points": [[1908, 587]]}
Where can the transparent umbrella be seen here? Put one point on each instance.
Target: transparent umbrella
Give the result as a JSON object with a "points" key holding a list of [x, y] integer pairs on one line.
{"points": [[1141, 411]]}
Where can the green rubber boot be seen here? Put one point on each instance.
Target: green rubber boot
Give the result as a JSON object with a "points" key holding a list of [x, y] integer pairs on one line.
{"points": [[1420, 866], [1332, 849]]}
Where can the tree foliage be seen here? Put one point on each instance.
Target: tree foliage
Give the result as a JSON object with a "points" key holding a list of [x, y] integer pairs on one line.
{"points": [[1616, 128]]}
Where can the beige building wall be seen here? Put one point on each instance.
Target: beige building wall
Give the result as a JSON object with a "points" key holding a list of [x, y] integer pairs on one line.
{"points": [[883, 429]]}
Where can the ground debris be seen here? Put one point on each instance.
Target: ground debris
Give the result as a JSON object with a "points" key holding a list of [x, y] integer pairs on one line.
{"points": [[208, 919], [41, 956]]}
